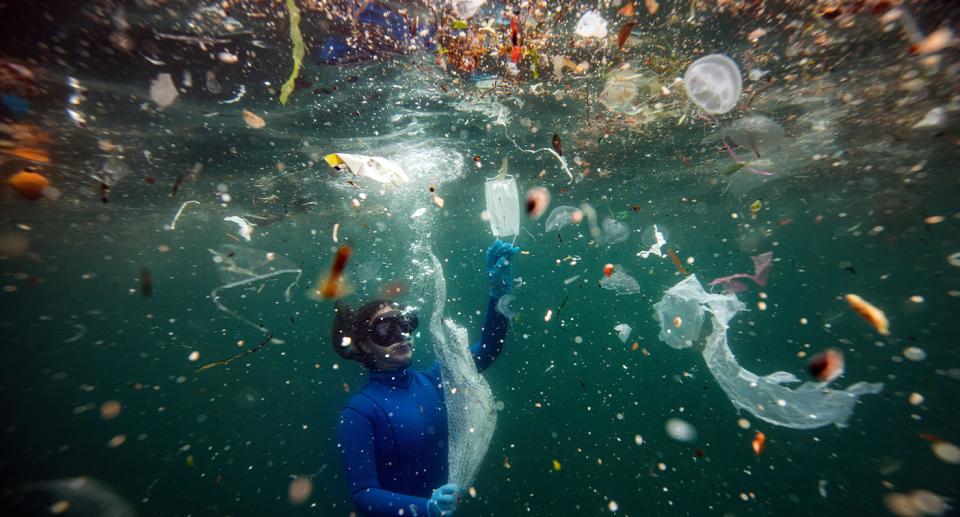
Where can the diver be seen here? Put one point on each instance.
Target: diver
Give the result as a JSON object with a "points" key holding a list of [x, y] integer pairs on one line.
{"points": [[393, 432]]}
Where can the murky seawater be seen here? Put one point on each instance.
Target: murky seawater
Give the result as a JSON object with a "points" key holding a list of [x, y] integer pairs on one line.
{"points": [[183, 214]]}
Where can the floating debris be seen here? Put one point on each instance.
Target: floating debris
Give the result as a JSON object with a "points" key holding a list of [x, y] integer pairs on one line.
{"points": [[162, 91], [875, 316]]}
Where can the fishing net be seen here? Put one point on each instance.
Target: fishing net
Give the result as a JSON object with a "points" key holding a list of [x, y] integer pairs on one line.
{"points": [[471, 414], [811, 405]]}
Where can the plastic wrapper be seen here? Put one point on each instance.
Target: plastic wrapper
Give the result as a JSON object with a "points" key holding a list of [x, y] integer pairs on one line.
{"points": [[373, 167]]}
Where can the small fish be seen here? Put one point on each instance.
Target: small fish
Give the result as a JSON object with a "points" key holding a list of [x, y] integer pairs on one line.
{"points": [[556, 144]]}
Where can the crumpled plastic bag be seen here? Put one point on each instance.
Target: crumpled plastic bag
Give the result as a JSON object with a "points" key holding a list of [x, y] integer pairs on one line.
{"points": [[373, 167], [682, 312]]}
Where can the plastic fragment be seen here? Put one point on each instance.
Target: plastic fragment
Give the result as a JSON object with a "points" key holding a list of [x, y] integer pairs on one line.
{"points": [[624, 331], [591, 25], [374, 167], [162, 91], [761, 267]]}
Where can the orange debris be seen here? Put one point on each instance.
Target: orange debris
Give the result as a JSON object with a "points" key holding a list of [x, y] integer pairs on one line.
{"points": [[875, 316], [759, 443], [253, 120], [30, 153], [29, 185]]}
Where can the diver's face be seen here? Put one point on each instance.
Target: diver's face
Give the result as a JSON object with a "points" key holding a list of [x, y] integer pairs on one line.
{"points": [[389, 340]]}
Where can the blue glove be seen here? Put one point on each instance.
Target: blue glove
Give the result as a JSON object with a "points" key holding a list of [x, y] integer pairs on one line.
{"points": [[499, 268], [443, 501]]}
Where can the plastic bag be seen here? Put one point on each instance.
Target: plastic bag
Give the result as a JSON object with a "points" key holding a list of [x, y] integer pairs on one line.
{"points": [[809, 406]]}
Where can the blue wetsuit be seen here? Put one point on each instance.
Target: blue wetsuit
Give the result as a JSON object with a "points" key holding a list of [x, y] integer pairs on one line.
{"points": [[393, 432]]}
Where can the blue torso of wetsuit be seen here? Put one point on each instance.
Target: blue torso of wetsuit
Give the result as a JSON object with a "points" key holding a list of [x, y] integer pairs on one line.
{"points": [[393, 432]]}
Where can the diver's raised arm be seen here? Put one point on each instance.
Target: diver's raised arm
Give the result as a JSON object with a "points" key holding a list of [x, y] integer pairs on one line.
{"points": [[499, 267]]}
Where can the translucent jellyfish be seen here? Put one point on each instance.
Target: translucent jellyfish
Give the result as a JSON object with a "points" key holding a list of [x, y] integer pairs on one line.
{"points": [[213, 86], [653, 237], [625, 85], [620, 282], [681, 431], [714, 83], [624, 331], [562, 216], [503, 306], [756, 133], [591, 25], [368, 270], [111, 171], [649, 236], [614, 231]]}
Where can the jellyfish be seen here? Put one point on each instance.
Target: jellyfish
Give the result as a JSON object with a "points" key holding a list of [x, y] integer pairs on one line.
{"points": [[562, 216], [367, 271], [625, 85], [654, 238], [503, 306], [614, 231], [619, 95], [649, 236], [756, 133], [714, 83]]}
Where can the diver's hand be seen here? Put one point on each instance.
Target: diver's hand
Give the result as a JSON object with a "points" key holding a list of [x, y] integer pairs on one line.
{"points": [[499, 268], [443, 501]]}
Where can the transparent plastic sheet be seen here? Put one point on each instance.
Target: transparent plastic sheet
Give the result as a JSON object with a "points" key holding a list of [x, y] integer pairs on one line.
{"points": [[809, 406], [471, 410]]}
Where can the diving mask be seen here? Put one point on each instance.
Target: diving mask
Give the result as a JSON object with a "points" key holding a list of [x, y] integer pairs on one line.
{"points": [[393, 326]]}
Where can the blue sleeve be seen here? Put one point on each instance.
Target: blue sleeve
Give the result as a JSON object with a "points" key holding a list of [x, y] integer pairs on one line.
{"points": [[355, 439], [491, 339]]}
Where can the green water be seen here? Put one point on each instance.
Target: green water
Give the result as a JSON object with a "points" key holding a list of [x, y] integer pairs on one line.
{"points": [[77, 330]]}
